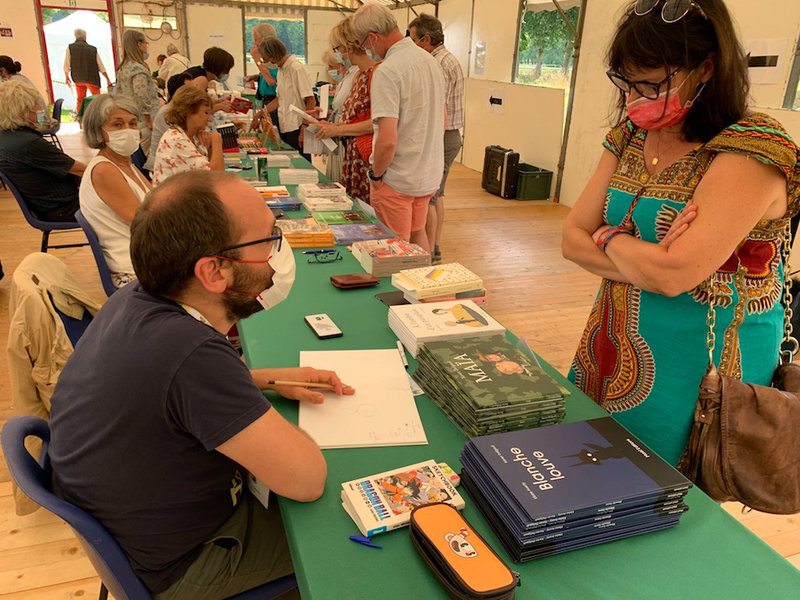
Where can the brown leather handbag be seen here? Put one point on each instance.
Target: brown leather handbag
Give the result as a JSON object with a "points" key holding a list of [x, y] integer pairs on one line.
{"points": [[745, 441]]}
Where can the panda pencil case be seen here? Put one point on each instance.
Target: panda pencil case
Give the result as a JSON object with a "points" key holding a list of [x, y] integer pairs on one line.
{"points": [[464, 564]]}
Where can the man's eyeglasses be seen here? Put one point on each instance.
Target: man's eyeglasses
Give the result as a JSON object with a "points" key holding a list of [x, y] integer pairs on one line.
{"points": [[672, 11], [648, 89], [277, 237], [362, 42]]}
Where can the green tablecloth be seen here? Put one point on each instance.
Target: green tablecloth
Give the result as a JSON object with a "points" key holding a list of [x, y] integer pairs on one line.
{"points": [[709, 555]]}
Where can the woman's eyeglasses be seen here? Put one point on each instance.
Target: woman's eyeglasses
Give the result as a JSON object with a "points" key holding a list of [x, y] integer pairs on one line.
{"points": [[671, 12], [648, 89]]}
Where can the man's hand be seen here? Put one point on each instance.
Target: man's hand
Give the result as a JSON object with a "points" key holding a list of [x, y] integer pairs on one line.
{"points": [[306, 374]]}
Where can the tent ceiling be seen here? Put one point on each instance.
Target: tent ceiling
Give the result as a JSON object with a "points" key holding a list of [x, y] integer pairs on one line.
{"points": [[329, 4]]}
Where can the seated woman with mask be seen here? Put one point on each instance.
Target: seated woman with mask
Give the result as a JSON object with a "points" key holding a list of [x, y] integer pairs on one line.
{"points": [[186, 145], [47, 178], [217, 65], [112, 188]]}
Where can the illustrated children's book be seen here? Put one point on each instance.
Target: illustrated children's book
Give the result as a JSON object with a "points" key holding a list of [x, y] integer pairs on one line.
{"points": [[384, 501]]}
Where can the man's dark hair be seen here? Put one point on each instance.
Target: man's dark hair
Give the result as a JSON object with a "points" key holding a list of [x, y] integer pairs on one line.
{"points": [[217, 61], [647, 42], [176, 81], [179, 222], [429, 25]]}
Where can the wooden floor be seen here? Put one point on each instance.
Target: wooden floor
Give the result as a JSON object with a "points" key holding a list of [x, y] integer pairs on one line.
{"points": [[514, 246]]}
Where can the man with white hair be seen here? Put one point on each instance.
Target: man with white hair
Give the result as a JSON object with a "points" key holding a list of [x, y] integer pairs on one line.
{"points": [[267, 77], [83, 62], [174, 63], [408, 114]]}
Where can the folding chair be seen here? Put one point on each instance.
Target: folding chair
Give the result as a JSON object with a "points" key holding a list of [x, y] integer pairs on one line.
{"points": [[50, 134]]}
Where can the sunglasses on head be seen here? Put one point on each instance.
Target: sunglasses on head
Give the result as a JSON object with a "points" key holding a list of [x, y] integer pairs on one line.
{"points": [[672, 11]]}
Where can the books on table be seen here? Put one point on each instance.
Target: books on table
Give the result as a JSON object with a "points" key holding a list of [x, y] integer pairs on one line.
{"points": [[328, 203], [271, 191], [356, 232], [384, 501], [278, 160], [436, 280], [283, 202], [415, 324], [340, 217], [568, 486], [487, 385], [320, 189], [297, 176], [381, 258], [306, 233], [382, 412]]}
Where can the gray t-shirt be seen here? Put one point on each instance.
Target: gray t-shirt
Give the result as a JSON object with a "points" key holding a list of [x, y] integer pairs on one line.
{"points": [[409, 86], [139, 409]]}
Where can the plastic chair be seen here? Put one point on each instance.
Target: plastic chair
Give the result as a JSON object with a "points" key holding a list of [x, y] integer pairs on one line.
{"points": [[44, 226], [97, 252], [138, 159], [106, 556], [50, 134]]}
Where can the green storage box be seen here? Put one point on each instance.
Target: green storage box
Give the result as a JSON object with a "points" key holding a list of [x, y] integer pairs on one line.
{"points": [[533, 183]]}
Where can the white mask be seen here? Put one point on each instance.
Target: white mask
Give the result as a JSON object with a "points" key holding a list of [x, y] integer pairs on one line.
{"points": [[124, 141], [282, 262]]}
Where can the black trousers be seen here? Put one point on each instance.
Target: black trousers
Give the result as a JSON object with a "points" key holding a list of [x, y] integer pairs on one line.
{"points": [[293, 139]]}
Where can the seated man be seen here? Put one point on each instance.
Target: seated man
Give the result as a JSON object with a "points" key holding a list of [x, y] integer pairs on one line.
{"points": [[155, 418], [47, 178]]}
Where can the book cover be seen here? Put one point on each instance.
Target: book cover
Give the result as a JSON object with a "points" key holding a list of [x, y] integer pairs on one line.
{"points": [[491, 372], [436, 280], [271, 191], [340, 217], [383, 502], [297, 227], [354, 232], [573, 466]]}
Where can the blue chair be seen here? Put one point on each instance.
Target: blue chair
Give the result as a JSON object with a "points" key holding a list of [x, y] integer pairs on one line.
{"points": [[50, 134], [44, 226], [108, 559], [97, 251], [138, 159]]}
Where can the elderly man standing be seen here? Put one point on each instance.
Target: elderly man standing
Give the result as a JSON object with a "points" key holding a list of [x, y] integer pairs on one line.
{"points": [[83, 62], [408, 113], [426, 32], [267, 72], [174, 63]]}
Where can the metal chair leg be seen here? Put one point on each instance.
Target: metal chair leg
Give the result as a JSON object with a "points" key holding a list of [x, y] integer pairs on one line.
{"points": [[45, 238], [103, 592]]}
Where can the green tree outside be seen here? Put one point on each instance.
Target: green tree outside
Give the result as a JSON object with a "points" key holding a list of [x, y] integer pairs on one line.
{"points": [[545, 47], [291, 32]]}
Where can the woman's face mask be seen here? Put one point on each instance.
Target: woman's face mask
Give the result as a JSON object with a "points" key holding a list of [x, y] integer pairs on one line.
{"points": [[657, 113]]}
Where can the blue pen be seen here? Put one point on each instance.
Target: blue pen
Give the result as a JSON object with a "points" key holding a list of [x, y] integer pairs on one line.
{"points": [[360, 539], [328, 251]]}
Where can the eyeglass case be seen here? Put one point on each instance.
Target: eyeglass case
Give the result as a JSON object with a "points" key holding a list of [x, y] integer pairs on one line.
{"points": [[354, 280], [461, 560]]}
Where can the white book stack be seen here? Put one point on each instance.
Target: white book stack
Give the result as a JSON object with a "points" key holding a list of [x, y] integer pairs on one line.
{"points": [[297, 176], [280, 161], [415, 324], [320, 190], [326, 203]]}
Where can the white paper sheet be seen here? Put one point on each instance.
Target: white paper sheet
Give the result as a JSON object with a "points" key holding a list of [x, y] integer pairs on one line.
{"points": [[382, 412], [324, 92]]}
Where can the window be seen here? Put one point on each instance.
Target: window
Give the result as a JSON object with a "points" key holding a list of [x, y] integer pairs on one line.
{"points": [[149, 21], [291, 31], [544, 53]]}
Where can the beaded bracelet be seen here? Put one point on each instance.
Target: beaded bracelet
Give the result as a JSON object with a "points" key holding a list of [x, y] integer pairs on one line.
{"points": [[608, 234]]}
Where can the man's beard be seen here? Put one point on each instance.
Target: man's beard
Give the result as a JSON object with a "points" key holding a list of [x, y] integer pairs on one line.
{"points": [[240, 306]]}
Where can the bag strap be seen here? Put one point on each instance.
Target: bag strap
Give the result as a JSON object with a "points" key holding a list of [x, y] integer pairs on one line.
{"points": [[712, 282]]}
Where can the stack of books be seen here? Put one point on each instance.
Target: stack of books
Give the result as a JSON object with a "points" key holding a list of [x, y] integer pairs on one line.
{"points": [[382, 258], [296, 176], [279, 161], [384, 502], [416, 324], [306, 233], [451, 281], [340, 217], [272, 191], [350, 233], [487, 385], [320, 190], [569, 486], [319, 203], [284, 202], [230, 141], [251, 144]]}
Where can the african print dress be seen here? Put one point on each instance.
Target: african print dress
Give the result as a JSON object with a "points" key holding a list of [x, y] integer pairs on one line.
{"points": [[642, 354], [356, 108]]}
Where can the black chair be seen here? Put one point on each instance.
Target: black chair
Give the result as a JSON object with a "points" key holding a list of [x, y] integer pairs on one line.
{"points": [[44, 226], [50, 134], [108, 559]]}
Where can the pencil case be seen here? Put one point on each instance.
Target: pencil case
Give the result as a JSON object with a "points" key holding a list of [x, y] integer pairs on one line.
{"points": [[461, 560]]}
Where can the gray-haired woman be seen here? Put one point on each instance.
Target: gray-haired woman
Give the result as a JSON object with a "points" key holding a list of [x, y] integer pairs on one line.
{"points": [[112, 188], [134, 80]]}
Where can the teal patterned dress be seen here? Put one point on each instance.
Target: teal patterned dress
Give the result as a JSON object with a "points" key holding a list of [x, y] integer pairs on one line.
{"points": [[642, 354]]}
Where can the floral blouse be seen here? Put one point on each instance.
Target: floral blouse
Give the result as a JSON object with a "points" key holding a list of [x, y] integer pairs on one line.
{"points": [[177, 153], [134, 80]]}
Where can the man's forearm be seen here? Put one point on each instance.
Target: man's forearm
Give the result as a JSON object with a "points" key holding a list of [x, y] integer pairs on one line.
{"points": [[383, 155]]}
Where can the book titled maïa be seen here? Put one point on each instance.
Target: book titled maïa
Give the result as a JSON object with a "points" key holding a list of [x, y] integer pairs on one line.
{"points": [[384, 502]]}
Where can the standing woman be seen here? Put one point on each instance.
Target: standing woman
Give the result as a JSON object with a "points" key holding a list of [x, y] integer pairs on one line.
{"points": [[134, 80], [689, 202], [342, 73], [112, 188], [356, 121]]}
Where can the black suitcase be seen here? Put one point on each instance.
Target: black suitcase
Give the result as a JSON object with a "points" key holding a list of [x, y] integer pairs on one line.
{"points": [[500, 171]]}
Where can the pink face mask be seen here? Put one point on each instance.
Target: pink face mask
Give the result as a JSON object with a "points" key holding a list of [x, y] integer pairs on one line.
{"points": [[660, 112]]}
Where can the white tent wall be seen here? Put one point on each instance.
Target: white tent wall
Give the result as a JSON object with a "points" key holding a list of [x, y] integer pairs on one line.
{"points": [[221, 26], [318, 25]]}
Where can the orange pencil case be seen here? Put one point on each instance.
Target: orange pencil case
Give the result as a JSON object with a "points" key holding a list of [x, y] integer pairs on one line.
{"points": [[462, 561]]}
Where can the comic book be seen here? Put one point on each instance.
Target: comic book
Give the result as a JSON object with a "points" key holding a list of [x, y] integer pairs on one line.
{"points": [[384, 502]]}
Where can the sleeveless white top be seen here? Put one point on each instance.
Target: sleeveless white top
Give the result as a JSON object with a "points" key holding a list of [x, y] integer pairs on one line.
{"points": [[114, 233]]}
